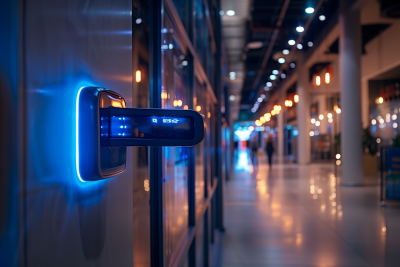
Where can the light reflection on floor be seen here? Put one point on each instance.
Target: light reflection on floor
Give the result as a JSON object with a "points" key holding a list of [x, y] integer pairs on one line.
{"points": [[299, 216], [243, 161]]}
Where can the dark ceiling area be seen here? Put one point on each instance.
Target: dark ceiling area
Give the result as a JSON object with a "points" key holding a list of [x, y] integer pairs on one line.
{"points": [[265, 16]]}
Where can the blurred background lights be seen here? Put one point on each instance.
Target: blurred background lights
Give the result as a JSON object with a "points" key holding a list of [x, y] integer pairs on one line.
{"points": [[373, 122], [285, 52], [292, 42], [296, 98], [300, 29], [312, 120], [309, 10], [310, 44], [329, 115], [322, 17], [275, 72], [232, 98], [283, 75], [138, 21], [281, 60], [292, 65], [311, 133], [394, 117], [230, 13], [317, 123], [269, 84], [338, 111], [321, 117], [299, 46], [395, 125], [272, 77]]}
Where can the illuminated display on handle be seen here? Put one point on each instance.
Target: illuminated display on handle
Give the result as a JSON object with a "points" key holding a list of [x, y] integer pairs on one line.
{"points": [[147, 127]]}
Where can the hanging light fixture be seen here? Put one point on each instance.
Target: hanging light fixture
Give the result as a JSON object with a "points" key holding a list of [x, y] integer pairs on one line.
{"points": [[318, 80]]}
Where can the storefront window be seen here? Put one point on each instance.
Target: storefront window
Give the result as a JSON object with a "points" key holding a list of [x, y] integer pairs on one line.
{"points": [[174, 95], [140, 163]]}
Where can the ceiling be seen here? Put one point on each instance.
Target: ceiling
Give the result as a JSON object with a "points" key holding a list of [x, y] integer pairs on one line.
{"points": [[270, 23]]}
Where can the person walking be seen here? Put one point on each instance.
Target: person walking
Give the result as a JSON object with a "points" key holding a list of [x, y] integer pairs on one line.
{"points": [[254, 145], [270, 150]]}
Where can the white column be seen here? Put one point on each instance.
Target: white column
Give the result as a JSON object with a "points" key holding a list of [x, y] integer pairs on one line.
{"points": [[350, 98], [281, 125], [303, 112]]}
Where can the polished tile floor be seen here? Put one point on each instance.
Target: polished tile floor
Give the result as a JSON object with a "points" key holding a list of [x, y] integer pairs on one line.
{"points": [[298, 216]]}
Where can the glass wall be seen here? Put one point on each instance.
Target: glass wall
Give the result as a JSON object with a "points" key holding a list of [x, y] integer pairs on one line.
{"points": [[174, 94], [140, 155]]}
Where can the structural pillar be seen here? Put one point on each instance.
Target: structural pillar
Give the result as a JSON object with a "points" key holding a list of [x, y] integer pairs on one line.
{"points": [[303, 112], [281, 130], [350, 95]]}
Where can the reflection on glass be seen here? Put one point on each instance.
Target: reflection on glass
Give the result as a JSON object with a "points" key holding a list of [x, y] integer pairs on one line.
{"points": [[140, 164], [174, 93]]}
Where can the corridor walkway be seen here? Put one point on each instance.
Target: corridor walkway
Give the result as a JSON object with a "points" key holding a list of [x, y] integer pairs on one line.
{"points": [[297, 216]]}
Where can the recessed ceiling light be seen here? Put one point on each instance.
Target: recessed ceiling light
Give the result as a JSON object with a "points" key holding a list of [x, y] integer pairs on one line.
{"points": [[272, 77], [281, 60], [322, 18], [269, 84], [299, 46], [300, 29], [255, 45], [230, 13], [292, 65], [275, 72], [285, 52], [292, 42], [310, 44], [309, 10]]}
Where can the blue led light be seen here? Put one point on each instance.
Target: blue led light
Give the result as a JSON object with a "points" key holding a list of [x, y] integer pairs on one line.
{"points": [[155, 120], [77, 134]]}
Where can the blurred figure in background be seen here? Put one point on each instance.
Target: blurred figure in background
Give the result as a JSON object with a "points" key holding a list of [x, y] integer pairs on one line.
{"points": [[269, 148], [254, 145]]}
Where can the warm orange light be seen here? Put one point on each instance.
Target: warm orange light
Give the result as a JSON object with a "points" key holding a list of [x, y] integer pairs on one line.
{"points": [[208, 114], [164, 95], [251, 128], [258, 123], [262, 119], [198, 108], [186, 107], [276, 108], [117, 103], [138, 76], [380, 100], [179, 103], [273, 112], [327, 78], [318, 80], [175, 103], [267, 115], [296, 98], [268, 119]]}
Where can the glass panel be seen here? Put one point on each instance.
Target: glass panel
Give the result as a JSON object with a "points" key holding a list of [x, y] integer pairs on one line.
{"points": [[200, 31], [140, 99], [182, 7], [201, 107], [175, 160], [199, 245]]}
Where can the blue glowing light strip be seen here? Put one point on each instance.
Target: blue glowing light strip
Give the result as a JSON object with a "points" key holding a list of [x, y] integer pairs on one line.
{"points": [[77, 134]]}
